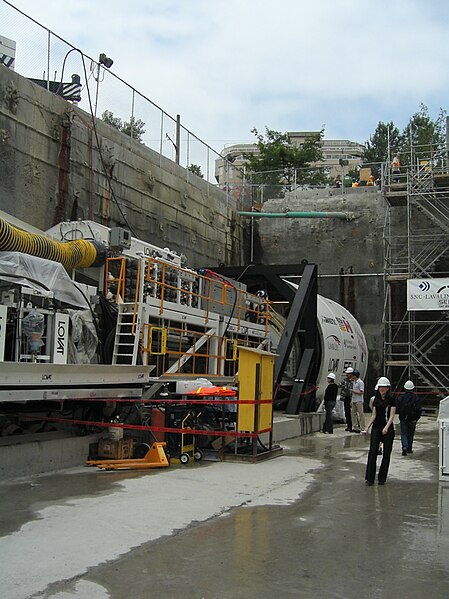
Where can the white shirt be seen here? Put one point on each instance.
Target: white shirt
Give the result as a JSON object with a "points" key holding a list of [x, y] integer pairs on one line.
{"points": [[358, 390]]}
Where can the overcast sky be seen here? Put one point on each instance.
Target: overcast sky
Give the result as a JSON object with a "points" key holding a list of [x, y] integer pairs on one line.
{"points": [[291, 65]]}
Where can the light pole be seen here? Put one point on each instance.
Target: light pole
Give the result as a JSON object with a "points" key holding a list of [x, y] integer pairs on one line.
{"points": [[106, 62], [343, 162]]}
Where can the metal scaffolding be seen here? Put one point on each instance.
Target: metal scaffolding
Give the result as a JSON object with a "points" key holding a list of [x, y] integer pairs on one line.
{"points": [[416, 242]]}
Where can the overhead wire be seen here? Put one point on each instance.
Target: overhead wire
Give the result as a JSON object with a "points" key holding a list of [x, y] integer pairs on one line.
{"points": [[97, 139]]}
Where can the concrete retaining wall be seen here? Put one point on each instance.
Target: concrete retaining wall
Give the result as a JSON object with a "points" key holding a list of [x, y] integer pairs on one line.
{"points": [[51, 170], [349, 253]]}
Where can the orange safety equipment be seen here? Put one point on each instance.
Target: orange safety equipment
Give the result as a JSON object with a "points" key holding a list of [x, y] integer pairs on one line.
{"points": [[395, 163], [207, 391]]}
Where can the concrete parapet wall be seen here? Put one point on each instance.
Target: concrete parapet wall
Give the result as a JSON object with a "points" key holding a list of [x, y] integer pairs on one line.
{"points": [[330, 243], [289, 427], [28, 455]]}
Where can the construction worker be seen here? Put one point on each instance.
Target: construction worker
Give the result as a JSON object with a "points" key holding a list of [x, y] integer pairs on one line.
{"points": [[346, 395], [410, 410], [396, 169], [358, 392], [330, 399]]}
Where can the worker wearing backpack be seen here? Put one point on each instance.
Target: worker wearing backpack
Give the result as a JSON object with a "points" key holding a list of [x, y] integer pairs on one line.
{"points": [[409, 408]]}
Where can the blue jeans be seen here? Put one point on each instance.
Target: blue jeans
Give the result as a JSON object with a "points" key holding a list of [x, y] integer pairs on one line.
{"points": [[407, 433]]}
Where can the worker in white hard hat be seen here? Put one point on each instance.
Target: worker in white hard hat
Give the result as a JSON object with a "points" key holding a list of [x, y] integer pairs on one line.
{"points": [[358, 393], [346, 396], [409, 409], [370, 403], [382, 430], [395, 169], [330, 399]]}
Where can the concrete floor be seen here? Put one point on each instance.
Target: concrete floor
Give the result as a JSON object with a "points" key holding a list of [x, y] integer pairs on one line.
{"points": [[301, 525]]}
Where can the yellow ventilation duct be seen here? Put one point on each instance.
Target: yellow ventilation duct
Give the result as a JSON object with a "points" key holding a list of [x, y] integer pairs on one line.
{"points": [[71, 254]]}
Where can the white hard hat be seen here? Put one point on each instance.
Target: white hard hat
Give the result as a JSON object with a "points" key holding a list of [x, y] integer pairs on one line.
{"points": [[349, 370], [383, 382], [409, 385], [331, 375]]}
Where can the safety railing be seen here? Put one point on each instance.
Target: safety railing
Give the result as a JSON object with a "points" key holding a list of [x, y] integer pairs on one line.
{"points": [[258, 187], [189, 352], [172, 284], [169, 284]]}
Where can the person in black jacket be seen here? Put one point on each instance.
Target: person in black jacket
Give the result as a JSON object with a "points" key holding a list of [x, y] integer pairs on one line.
{"points": [[409, 408], [330, 399], [346, 397], [384, 410]]}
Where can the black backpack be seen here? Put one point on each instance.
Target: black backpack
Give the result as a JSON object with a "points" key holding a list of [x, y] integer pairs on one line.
{"points": [[411, 410]]}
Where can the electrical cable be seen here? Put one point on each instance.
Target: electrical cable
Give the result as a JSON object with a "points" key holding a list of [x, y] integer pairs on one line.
{"points": [[232, 311], [264, 447], [244, 270], [99, 348], [108, 178], [12, 276], [62, 71], [97, 139], [211, 274]]}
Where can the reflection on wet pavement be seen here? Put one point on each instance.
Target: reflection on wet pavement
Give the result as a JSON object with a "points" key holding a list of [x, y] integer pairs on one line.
{"points": [[340, 539]]}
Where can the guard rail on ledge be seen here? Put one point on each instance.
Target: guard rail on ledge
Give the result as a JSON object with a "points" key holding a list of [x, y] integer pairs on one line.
{"points": [[341, 215]]}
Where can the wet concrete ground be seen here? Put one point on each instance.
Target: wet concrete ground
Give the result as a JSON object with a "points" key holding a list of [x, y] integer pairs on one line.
{"points": [[303, 525]]}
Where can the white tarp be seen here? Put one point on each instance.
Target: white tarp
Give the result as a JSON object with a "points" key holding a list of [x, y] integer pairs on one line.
{"points": [[428, 294], [42, 275]]}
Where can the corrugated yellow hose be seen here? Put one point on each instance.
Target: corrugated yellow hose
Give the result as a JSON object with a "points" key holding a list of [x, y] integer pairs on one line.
{"points": [[71, 254]]}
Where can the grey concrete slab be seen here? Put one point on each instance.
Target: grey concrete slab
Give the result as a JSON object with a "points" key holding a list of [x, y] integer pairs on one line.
{"points": [[302, 525]]}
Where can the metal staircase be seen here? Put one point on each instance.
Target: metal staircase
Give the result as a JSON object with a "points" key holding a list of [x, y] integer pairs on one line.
{"points": [[415, 340]]}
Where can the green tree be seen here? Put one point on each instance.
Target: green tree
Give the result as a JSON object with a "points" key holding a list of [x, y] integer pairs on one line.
{"points": [[422, 135], [279, 163], [376, 148], [196, 169], [135, 128]]}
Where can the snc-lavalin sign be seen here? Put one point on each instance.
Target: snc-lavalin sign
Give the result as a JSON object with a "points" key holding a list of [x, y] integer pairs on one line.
{"points": [[427, 294]]}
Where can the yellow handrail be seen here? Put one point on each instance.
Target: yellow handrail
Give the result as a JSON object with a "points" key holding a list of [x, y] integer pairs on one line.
{"points": [[245, 307], [136, 299], [120, 280]]}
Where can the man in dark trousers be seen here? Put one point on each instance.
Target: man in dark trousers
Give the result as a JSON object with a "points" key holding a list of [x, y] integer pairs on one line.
{"points": [[330, 399], [410, 409], [346, 396]]}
